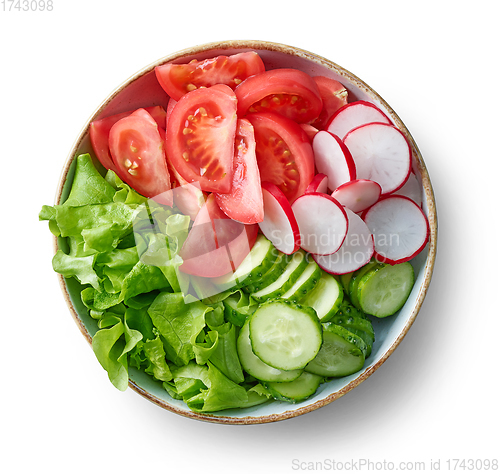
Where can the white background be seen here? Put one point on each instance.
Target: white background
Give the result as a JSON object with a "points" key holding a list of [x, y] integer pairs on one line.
{"points": [[436, 398]]}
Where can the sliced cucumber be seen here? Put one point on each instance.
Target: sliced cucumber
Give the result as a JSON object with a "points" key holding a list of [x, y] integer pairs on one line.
{"points": [[260, 259], [300, 389], [255, 367], [288, 277], [384, 290], [342, 353], [285, 335], [345, 279], [305, 283], [271, 275], [355, 321], [356, 277], [237, 308], [325, 298]]}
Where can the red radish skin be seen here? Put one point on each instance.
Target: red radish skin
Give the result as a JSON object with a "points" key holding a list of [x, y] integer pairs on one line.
{"points": [[354, 115], [319, 184], [358, 195], [400, 229], [355, 252], [279, 224], [333, 158], [381, 153], [322, 221]]}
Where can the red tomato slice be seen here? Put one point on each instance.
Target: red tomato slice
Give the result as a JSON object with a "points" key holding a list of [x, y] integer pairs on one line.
{"points": [[289, 92], [284, 153], [99, 133], [216, 245], [333, 95], [178, 79], [200, 137], [138, 152], [244, 203]]}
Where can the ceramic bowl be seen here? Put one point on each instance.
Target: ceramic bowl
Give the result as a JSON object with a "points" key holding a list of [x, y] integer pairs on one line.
{"points": [[143, 90]]}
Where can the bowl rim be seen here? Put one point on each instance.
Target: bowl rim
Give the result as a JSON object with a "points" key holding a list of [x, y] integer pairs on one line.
{"points": [[257, 45]]}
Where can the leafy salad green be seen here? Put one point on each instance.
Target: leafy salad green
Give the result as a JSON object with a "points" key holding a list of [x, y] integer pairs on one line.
{"points": [[123, 250]]}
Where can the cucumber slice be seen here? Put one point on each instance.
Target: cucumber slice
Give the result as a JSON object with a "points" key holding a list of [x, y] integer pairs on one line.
{"points": [[342, 353], [384, 290], [271, 275], [356, 322], [288, 277], [345, 279], [260, 259], [296, 391], [237, 308], [356, 277], [305, 283], [254, 366], [325, 298], [285, 335]]}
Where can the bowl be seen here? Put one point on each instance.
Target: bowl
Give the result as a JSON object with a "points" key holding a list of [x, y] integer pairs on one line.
{"points": [[142, 90]]}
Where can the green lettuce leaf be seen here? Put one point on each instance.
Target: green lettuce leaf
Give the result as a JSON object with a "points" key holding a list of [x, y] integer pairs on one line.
{"points": [[179, 323]]}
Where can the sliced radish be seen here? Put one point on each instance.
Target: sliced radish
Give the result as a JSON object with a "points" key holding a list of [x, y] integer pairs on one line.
{"points": [[355, 252], [319, 184], [333, 158], [279, 224], [381, 153], [322, 223], [411, 189], [358, 195], [400, 229], [354, 115]]}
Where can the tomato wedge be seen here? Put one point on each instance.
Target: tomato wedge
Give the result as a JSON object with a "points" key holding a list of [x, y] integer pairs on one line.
{"points": [[178, 79], [334, 96], [289, 92], [284, 153], [138, 153], [99, 133], [200, 137], [216, 244], [244, 203]]}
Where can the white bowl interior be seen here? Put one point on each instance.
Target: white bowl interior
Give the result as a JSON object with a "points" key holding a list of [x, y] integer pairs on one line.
{"points": [[143, 90]]}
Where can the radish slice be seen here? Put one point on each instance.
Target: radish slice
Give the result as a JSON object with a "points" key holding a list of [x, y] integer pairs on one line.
{"points": [[381, 153], [279, 224], [411, 189], [333, 158], [322, 223], [358, 195], [354, 115], [355, 252], [319, 184], [400, 229]]}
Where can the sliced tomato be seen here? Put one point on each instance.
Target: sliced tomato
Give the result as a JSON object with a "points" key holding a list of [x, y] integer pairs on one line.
{"points": [[178, 79], [216, 244], [99, 133], [200, 137], [289, 92], [284, 153], [334, 96], [137, 149], [244, 203]]}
